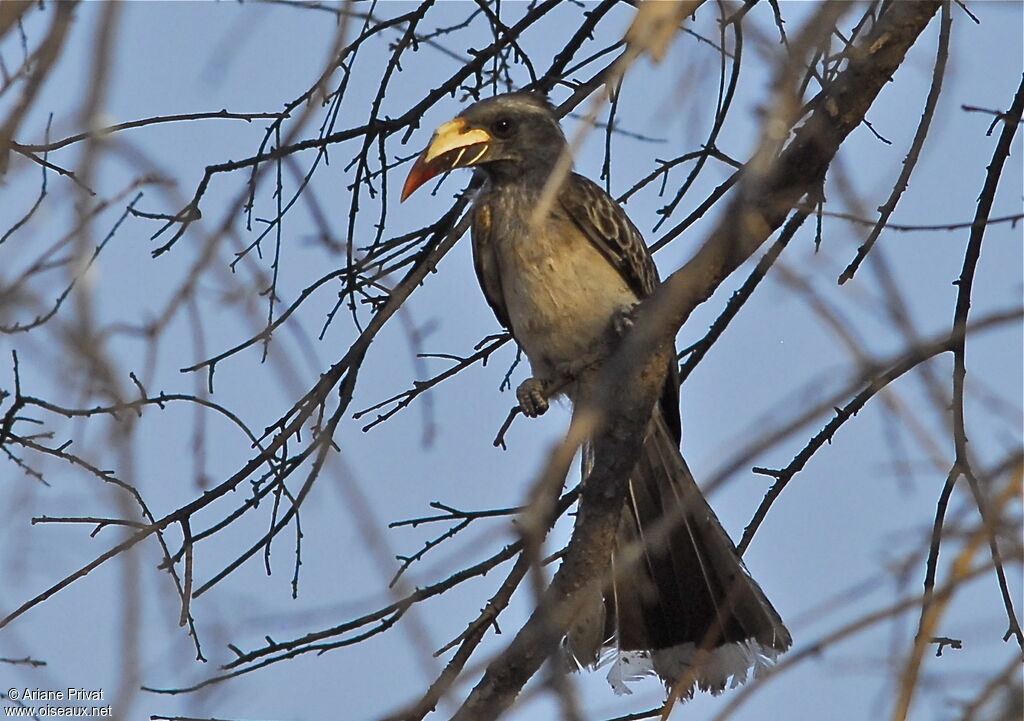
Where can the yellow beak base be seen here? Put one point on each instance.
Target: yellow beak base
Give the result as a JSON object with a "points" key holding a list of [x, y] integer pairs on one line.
{"points": [[453, 146]]}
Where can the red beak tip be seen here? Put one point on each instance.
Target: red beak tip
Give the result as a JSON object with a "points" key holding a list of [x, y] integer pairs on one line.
{"points": [[418, 175], [409, 188]]}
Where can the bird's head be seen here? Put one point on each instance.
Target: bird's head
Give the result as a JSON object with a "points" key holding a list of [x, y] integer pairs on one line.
{"points": [[509, 136]]}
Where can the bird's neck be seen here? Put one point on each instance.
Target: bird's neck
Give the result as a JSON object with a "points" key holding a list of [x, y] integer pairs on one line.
{"points": [[531, 176]]}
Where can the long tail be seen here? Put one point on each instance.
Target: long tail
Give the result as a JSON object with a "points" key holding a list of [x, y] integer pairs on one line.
{"points": [[681, 604]]}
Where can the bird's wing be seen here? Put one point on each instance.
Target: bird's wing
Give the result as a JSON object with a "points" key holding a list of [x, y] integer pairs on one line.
{"points": [[485, 261], [607, 226]]}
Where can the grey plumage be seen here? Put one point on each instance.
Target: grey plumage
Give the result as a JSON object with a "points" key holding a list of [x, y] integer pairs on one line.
{"points": [[682, 604]]}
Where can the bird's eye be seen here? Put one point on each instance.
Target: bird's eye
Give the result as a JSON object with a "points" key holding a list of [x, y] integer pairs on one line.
{"points": [[503, 127]]}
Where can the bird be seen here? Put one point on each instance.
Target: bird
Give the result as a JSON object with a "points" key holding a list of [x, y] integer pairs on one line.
{"points": [[563, 268]]}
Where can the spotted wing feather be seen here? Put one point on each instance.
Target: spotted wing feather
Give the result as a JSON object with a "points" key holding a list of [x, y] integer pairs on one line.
{"points": [[608, 227]]}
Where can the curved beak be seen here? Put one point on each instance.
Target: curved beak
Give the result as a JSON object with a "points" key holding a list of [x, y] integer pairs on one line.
{"points": [[453, 146]]}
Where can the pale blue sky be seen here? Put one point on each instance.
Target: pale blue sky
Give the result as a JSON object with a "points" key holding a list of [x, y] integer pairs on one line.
{"points": [[848, 517]]}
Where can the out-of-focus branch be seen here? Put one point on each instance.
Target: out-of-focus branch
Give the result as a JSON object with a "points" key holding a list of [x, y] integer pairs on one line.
{"points": [[11, 12], [42, 62], [965, 573], [934, 604]]}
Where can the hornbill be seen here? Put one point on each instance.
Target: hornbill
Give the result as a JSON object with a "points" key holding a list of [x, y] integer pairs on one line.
{"points": [[563, 274]]}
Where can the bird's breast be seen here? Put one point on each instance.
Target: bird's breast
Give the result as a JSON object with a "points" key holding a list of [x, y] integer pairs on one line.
{"points": [[560, 292]]}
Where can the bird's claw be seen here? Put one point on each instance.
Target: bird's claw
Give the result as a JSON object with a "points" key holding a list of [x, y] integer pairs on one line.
{"points": [[532, 397], [623, 320]]}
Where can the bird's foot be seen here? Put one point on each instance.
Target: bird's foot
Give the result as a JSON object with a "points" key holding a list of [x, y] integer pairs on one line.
{"points": [[623, 320], [532, 396]]}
